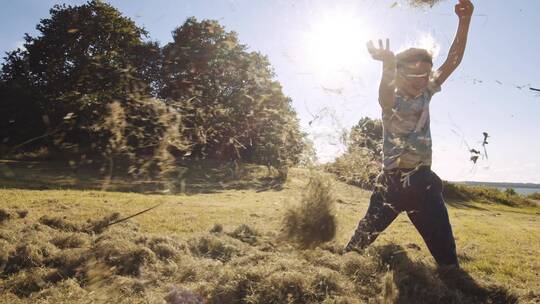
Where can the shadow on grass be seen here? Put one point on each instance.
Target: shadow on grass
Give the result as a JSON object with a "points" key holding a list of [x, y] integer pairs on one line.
{"points": [[416, 282], [197, 178]]}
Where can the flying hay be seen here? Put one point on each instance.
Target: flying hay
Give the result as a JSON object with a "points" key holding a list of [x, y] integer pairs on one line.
{"points": [[312, 222], [419, 3]]}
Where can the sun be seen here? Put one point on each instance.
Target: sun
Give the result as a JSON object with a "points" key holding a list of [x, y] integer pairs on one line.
{"points": [[336, 42]]}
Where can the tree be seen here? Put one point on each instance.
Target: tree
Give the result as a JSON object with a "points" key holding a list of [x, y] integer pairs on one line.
{"points": [[87, 82], [86, 57], [21, 105], [368, 134], [231, 107], [362, 161], [308, 158], [90, 77]]}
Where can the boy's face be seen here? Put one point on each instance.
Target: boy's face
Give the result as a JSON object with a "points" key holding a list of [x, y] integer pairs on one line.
{"points": [[413, 78]]}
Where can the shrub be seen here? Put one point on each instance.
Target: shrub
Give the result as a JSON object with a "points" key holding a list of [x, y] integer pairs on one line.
{"points": [[510, 191]]}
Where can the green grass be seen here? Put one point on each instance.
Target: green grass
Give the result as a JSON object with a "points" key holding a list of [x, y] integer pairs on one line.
{"points": [[486, 195], [138, 261]]}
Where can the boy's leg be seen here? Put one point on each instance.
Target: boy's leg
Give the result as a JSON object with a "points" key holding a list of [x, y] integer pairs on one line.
{"points": [[378, 216], [431, 220]]}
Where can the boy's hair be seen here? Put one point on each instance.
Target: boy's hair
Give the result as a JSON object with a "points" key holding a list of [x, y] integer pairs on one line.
{"points": [[413, 55]]}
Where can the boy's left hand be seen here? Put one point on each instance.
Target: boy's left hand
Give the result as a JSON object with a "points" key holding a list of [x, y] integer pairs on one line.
{"points": [[464, 9]]}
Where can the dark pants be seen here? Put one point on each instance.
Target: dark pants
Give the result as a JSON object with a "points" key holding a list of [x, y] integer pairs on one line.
{"points": [[421, 197]]}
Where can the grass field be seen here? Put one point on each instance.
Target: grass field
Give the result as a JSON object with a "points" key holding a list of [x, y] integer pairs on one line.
{"points": [[220, 242]]}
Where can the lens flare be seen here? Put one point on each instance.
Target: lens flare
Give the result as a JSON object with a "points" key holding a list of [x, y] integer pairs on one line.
{"points": [[336, 42]]}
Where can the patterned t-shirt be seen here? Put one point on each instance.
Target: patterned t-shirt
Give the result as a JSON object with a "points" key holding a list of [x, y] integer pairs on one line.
{"points": [[406, 132]]}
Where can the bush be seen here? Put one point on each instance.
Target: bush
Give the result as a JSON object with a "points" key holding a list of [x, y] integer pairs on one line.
{"points": [[510, 191]]}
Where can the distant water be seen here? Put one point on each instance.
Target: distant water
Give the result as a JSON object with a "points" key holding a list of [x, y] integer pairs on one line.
{"points": [[523, 191]]}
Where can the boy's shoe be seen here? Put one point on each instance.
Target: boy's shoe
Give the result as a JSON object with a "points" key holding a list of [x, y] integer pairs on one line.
{"points": [[352, 246]]}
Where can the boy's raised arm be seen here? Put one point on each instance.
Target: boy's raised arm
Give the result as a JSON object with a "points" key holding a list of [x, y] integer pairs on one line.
{"points": [[464, 10], [387, 86]]}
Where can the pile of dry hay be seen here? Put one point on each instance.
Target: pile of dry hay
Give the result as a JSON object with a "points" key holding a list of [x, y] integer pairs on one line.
{"points": [[53, 260]]}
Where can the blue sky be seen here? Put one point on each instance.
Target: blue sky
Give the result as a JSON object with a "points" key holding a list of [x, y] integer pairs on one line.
{"points": [[337, 82]]}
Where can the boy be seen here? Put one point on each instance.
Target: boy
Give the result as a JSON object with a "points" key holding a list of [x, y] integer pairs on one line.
{"points": [[407, 182]]}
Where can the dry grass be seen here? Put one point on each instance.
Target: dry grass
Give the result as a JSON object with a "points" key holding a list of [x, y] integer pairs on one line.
{"points": [[4, 215], [485, 195], [124, 263], [534, 196], [178, 254]]}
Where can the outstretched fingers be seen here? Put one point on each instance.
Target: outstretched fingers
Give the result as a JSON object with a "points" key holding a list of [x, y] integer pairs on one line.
{"points": [[370, 45], [382, 53]]}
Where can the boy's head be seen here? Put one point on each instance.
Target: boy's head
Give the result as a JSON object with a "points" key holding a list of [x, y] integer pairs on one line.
{"points": [[413, 70]]}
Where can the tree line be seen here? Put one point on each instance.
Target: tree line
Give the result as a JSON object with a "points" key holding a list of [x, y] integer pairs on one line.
{"points": [[92, 84]]}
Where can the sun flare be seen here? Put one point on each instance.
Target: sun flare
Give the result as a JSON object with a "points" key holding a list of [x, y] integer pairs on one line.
{"points": [[336, 42]]}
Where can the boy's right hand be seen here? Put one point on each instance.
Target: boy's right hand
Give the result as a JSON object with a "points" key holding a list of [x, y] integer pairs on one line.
{"points": [[383, 54], [464, 9]]}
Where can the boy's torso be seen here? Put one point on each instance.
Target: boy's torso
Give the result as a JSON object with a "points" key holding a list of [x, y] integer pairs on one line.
{"points": [[406, 133]]}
